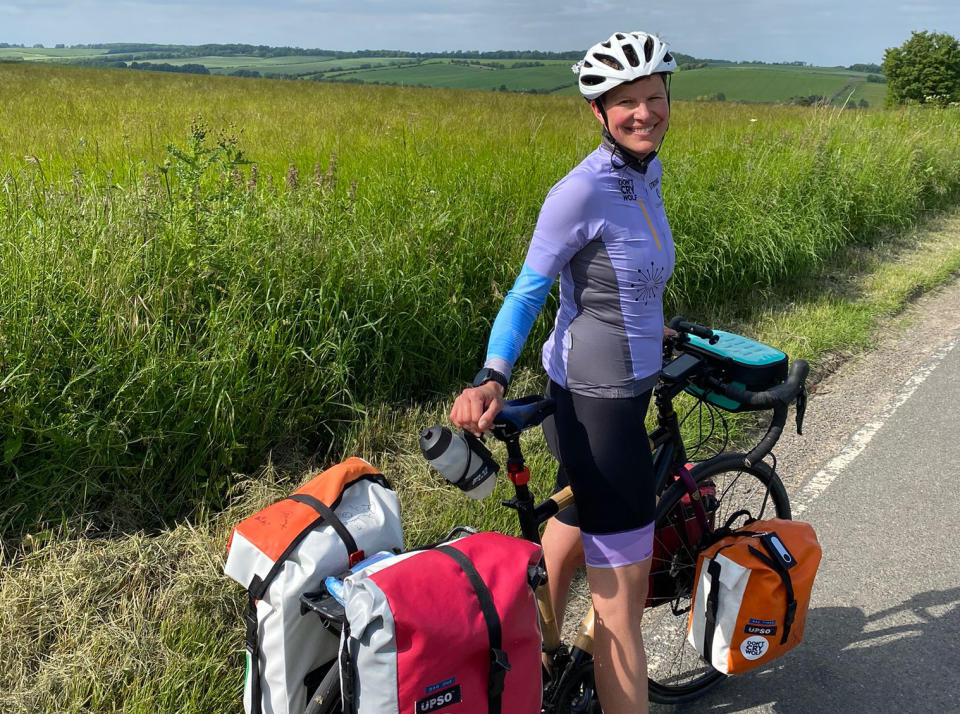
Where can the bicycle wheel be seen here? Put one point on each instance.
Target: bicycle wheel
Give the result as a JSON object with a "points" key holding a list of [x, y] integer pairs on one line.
{"points": [[326, 698], [579, 693], [677, 673]]}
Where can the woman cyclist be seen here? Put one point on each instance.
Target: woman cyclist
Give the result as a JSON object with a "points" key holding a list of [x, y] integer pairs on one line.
{"points": [[603, 230]]}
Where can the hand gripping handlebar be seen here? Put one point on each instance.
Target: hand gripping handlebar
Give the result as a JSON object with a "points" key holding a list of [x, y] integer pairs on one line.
{"points": [[777, 398]]}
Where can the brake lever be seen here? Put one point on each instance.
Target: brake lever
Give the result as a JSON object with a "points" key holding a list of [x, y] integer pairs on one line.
{"points": [[801, 408]]}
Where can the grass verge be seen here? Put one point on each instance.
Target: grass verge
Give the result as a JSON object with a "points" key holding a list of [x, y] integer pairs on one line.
{"points": [[147, 622]]}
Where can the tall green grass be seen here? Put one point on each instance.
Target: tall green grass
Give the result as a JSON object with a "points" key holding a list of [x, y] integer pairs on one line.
{"points": [[175, 303]]}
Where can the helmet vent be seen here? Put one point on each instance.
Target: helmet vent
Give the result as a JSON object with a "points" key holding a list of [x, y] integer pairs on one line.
{"points": [[611, 62], [668, 57], [591, 80], [621, 37], [605, 44], [631, 55], [648, 48]]}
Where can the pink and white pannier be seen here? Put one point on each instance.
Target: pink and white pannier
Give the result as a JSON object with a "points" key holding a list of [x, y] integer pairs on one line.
{"points": [[452, 629]]}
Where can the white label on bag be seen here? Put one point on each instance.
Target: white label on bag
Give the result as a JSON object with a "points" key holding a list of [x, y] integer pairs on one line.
{"points": [[754, 647]]}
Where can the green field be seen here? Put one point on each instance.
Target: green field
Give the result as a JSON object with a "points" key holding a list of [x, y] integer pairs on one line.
{"points": [[875, 94], [446, 75], [761, 84], [38, 54], [757, 83], [292, 65]]}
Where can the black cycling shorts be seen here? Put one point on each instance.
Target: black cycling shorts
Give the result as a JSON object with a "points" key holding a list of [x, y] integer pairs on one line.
{"points": [[603, 453]]}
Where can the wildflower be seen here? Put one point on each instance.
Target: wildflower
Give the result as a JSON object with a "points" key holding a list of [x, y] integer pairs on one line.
{"points": [[293, 178], [252, 181], [330, 178]]}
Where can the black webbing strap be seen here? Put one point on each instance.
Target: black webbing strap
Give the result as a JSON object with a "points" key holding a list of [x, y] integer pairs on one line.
{"points": [[712, 605], [348, 673], [326, 515], [333, 521], [252, 642], [781, 570], [499, 664]]}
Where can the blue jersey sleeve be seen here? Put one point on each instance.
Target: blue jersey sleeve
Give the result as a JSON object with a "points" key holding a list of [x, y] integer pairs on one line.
{"points": [[520, 308]]}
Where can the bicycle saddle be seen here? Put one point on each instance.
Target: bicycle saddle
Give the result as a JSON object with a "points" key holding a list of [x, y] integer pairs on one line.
{"points": [[525, 412]]}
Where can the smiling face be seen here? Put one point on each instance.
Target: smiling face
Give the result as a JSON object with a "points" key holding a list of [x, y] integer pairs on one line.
{"points": [[637, 114]]}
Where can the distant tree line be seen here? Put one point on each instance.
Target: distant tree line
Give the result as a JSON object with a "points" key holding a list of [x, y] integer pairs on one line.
{"points": [[188, 68], [495, 65], [268, 51], [165, 67]]}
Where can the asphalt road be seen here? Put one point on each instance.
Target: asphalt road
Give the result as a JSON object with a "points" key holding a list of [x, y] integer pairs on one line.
{"points": [[883, 631]]}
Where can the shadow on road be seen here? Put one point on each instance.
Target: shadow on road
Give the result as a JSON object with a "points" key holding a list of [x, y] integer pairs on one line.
{"points": [[903, 659]]}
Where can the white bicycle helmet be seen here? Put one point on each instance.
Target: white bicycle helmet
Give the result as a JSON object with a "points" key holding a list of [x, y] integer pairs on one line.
{"points": [[624, 57]]}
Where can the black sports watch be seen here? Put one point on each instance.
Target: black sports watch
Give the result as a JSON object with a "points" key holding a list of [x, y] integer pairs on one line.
{"points": [[491, 375]]}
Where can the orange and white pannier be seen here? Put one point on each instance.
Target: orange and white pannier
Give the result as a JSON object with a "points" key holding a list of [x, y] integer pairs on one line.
{"points": [[751, 594], [289, 548]]}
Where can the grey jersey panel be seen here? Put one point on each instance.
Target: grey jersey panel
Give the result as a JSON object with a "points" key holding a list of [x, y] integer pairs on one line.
{"points": [[598, 328]]}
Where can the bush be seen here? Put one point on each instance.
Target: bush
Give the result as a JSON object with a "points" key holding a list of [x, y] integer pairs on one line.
{"points": [[924, 70]]}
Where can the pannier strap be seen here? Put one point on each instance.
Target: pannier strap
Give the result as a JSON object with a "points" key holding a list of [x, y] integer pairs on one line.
{"points": [[355, 554], [258, 586], [499, 663], [253, 653], [713, 602], [781, 570], [710, 611]]}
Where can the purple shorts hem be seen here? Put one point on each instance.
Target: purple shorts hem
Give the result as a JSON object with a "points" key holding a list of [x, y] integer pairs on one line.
{"points": [[611, 550]]}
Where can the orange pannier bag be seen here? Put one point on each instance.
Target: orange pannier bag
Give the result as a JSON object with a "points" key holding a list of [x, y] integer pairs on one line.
{"points": [[751, 594]]}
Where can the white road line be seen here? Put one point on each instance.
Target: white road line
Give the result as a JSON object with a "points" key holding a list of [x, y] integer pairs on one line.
{"points": [[858, 442]]}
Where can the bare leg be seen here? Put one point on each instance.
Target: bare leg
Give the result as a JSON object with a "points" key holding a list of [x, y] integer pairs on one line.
{"points": [[620, 664], [562, 554]]}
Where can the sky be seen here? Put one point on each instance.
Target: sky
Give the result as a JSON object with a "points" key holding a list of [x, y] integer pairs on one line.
{"points": [[820, 32]]}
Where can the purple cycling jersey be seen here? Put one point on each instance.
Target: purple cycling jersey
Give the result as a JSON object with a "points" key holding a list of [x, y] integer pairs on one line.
{"points": [[603, 229]]}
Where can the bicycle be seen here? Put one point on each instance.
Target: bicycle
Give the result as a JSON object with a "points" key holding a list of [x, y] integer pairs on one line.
{"points": [[693, 502]]}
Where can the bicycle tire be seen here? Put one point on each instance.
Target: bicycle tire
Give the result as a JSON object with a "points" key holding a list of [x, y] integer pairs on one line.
{"points": [[326, 698], [676, 672]]}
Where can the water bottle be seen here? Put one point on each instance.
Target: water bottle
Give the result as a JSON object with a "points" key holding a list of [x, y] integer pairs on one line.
{"points": [[462, 459]]}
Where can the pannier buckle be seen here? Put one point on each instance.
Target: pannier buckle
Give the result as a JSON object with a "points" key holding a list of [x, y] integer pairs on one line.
{"points": [[499, 666]]}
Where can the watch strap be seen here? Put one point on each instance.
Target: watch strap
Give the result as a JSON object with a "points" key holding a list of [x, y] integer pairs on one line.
{"points": [[488, 374]]}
